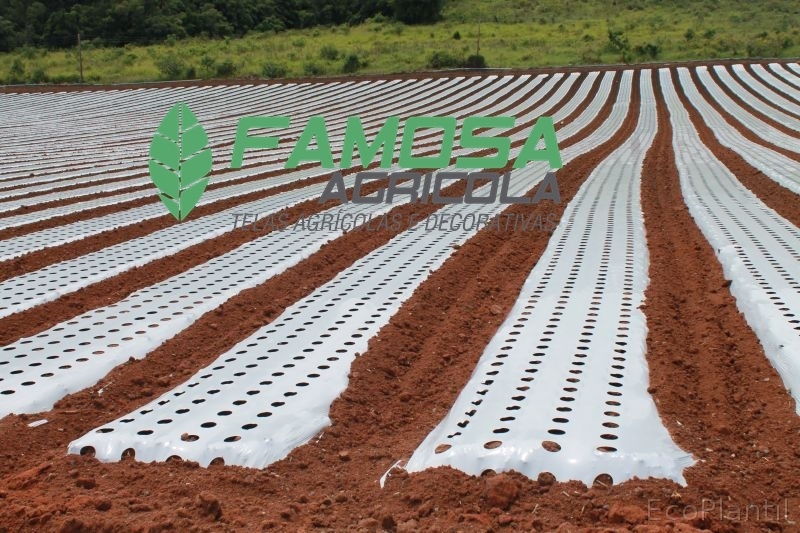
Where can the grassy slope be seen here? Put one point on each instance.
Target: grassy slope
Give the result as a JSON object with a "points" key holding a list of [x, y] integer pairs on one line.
{"points": [[514, 33]]}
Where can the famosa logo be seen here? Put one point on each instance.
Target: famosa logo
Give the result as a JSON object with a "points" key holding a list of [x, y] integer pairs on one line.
{"points": [[180, 160]]}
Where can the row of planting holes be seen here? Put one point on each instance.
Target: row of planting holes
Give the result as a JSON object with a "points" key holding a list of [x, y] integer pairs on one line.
{"points": [[113, 317], [617, 367], [791, 281], [351, 272]]}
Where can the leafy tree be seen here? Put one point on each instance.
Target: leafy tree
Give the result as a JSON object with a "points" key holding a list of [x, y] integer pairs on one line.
{"points": [[418, 11], [7, 35], [208, 21], [56, 23]]}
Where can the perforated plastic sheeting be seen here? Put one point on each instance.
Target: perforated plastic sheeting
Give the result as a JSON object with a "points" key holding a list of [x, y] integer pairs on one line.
{"points": [[129, 116], [33, 288], [71, 232], [118, 129], [767, 77], [785, 74], [48, 283], [25, 389], [218, 117], [737, 85], [9, 200], [273, 390], [86, 228], [759, 250], [39, 370], [776, 166], [562, 386], [217, 135], [751, 122], [288, 375]]}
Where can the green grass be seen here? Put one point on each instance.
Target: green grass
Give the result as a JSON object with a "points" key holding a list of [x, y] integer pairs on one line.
{"points": [[514, 33]]}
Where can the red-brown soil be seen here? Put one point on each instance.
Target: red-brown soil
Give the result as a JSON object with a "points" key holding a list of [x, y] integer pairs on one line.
{"points": [[715, 390]]}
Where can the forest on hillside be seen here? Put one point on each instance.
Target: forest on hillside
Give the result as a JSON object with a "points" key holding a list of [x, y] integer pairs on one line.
{"points": [[56, 23]]}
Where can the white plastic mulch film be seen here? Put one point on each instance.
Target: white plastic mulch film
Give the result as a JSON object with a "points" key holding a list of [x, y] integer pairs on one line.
{"points": [[272, 392], [562, 386]]}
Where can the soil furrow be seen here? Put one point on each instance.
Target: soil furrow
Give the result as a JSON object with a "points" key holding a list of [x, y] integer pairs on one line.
{"points": [[41, 317], [776, 196], [468, 297], [133, 383], [730, 119], [776, 90], [742, 101], [715, 390]]}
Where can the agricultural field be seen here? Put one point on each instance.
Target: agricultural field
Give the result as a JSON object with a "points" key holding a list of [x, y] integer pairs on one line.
{"points": [[613, 349]]}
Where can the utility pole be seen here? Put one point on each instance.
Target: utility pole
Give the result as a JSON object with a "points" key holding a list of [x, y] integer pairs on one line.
{"points": [[80, 56]]}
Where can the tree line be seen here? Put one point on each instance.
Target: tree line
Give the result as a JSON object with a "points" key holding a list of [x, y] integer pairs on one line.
{"points": [[56, 23]]}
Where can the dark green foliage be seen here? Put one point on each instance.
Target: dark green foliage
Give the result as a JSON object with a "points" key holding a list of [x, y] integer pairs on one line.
{"points": [[38, 76], [56, 23], [313, 69], [351, 64], [208, 67], [226, 69], [418, 11], [16, 74], [329, 52], [171, 66], [475, 61], [618, 42], [441, 59], [649, 50], [8, 37], [273, 70]]}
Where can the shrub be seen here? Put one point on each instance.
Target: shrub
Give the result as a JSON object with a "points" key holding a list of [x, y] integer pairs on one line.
{"points": [[207, 66], [171, 66], [351, 64], [440, 59], [396, 28], [648, 50], [457, 36], [418, 11], [329, 53], [618, 42], [274, 70], [313, 69], [38, 76], [475, 61], [226, 69], [271, 24], [16, 73], [64, 78]]}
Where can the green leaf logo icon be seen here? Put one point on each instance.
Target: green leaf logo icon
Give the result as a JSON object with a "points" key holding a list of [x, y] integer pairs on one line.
{"points": [[180, 160]]}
